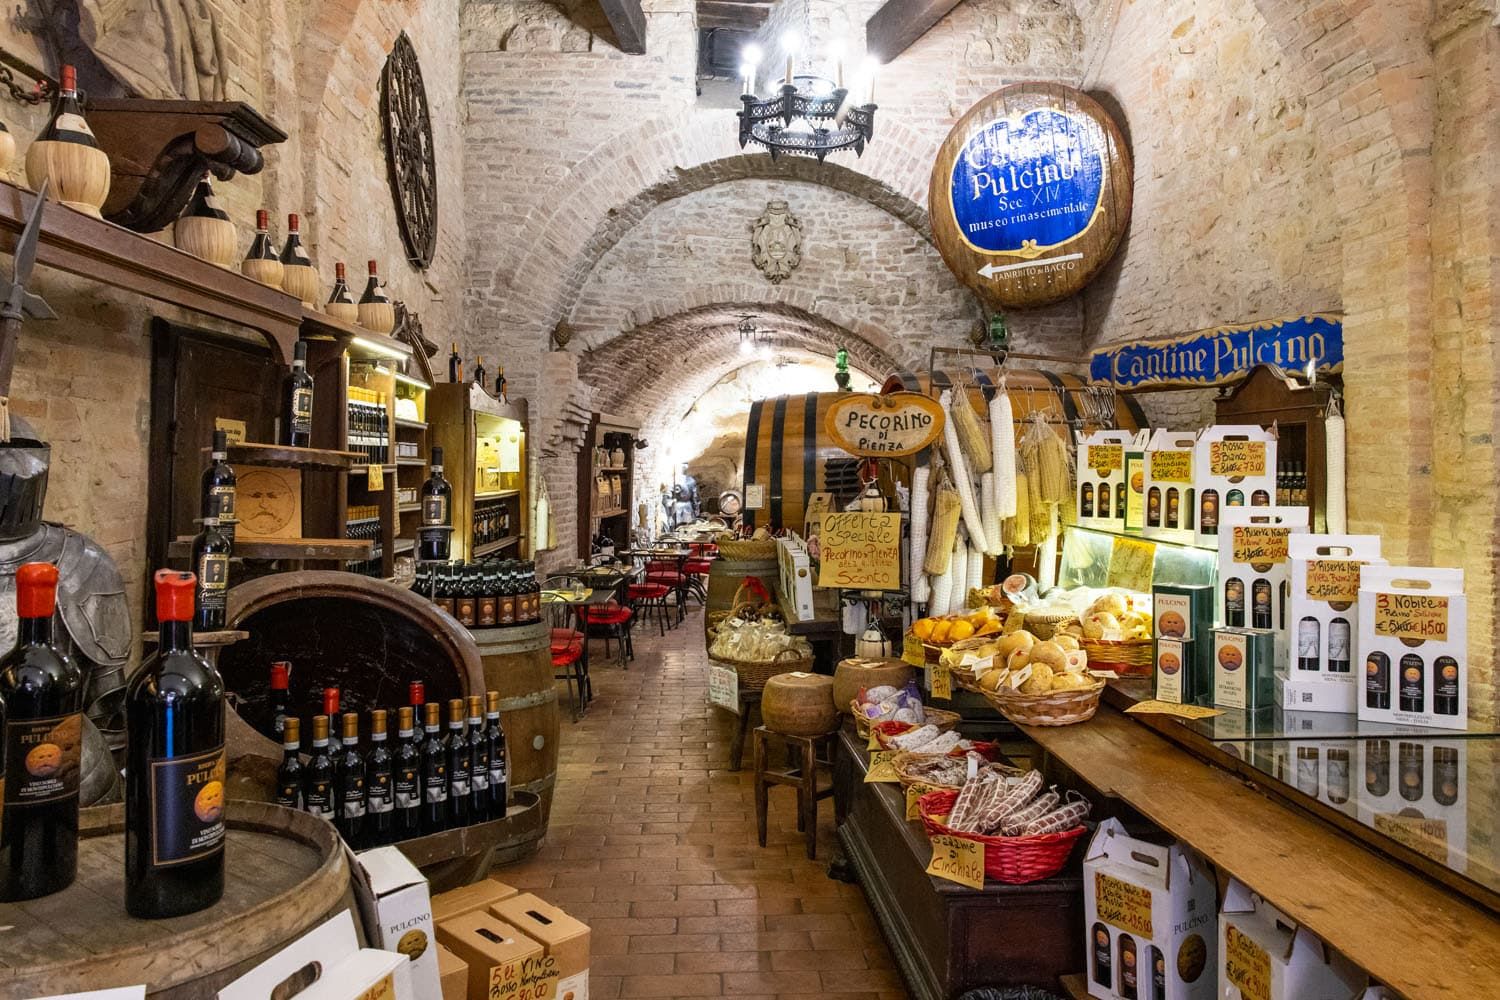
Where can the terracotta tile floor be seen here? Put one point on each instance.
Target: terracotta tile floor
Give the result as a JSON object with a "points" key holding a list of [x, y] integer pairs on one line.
{"points": [[652, 843]]}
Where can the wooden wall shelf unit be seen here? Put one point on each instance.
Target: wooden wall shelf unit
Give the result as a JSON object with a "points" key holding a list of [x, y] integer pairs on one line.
{"points": [[484, 458], [606, 485]]}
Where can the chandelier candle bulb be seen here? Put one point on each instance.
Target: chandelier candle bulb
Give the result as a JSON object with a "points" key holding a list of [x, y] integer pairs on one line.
{"points": [[204, 229]]}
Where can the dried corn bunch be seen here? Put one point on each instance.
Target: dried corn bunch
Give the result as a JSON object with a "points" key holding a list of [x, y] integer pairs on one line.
{"points": [[1018, 528], [1052, 459], [1037, 506], [946, 511], [973, 434]]}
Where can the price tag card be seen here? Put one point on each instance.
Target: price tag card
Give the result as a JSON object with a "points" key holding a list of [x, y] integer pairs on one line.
{"points": [[913, 793], [957, 860], [1260, 545], [1106, 458], [1171, 466], [1233, 458], [880, 767], [1247, 966], [912, 653], [940, 681], [375, 478], [1333, 580], [1154, 707], [1411, 616]]}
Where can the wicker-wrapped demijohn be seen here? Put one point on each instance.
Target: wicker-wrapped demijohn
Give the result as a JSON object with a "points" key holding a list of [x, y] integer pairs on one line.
{"points": [[204, 229], [67, 156], [375, 309], [298, 275], [341, 304], [7, 147], [262, 262]]}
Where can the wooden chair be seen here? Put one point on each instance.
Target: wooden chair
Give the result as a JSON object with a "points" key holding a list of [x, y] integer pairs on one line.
{"points": [[802, 751], [569, 647]]}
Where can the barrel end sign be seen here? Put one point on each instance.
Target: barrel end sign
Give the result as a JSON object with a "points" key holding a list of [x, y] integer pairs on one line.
{"points": [[1031, 194], [888, 426]]}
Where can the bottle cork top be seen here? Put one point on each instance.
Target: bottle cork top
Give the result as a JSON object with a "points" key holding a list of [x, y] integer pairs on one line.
{"points": [[492, 701], [430, 713], [351, 725], [262, 219], [291, 732], [174, 595], [69, 78], [292, 223], [474, 702], [330, 701], [374, 269], [416, 692], [36, 590], [338, 269], [320, 727], [281, 674], [377, 720], [456, 710], [404, 717]]}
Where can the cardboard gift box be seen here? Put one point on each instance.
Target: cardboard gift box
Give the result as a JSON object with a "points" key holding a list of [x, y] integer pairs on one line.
{"points": [[1414, 641], [1149, 914], [1168, 487], [343, 970], [1255, 568], [468, 898], [1185, 612], [1244, 661], [1135, 491], [1414, 792], [1234, 465], [1320, 675], [453, 973], [1174, 670], [1264, 955], [397, 913], [503, 963], [1101, 478], [565, 939]]}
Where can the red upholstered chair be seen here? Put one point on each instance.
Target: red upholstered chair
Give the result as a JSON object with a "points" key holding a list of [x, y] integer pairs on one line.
{"points": [[569, 647], [646, 598], [665, 571], [615, 620]]}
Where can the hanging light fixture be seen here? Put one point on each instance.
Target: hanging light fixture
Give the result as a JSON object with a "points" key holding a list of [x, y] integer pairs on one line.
{"points": [[808, 115], [749, 335]]}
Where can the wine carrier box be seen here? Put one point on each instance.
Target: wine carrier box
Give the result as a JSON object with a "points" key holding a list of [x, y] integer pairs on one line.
{"points": [[1168, 487], [1185, 613], [1320, 674], [1149, 909], [1255, 568], [345, 970], [397, 913], [1264, 955], [1234, 465], [1244, 661], [1413, 639], [796, 577], [453, 973], [1101, 478], [468, 898], [503, 963], [1414, 792], [565, 939]]}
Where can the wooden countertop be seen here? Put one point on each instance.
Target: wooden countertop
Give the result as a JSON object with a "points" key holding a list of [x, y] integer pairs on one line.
{"points": [[1406, 931]]}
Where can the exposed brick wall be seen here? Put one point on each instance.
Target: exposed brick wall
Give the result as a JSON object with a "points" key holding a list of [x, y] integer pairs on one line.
{"points": [[313, 68]]}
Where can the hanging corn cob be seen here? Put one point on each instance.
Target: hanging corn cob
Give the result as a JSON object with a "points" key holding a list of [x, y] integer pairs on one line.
{"points": [[973, 436], [946, 510], [1003, 447], [919, 497], [990, 514], [961, 480], [1018, 528], [1052, 459]]}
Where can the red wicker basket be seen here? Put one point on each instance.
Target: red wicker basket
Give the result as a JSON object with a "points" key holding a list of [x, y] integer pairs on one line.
{"points": [[1015, 860]]}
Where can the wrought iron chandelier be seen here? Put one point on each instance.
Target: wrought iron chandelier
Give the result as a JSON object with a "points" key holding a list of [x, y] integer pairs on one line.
{"points": [[809, 115], [750, 339]]}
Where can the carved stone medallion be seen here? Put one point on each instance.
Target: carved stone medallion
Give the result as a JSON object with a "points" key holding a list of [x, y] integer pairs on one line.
{"points": [[776, 242]]}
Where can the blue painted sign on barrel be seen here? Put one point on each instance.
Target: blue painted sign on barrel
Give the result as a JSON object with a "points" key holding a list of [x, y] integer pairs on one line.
{"points": [[1225, 353], [1030, 194]]}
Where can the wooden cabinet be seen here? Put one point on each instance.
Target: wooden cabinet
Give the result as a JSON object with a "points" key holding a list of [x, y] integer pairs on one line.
{"points": [[606, 476], [484, 458]]}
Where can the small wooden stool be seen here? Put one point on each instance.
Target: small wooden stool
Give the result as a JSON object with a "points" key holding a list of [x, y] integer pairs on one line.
{"points": [[749, 703], [804, 778]]}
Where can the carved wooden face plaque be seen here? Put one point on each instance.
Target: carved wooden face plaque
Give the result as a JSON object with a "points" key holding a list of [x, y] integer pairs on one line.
{"points": [[409, 158]]}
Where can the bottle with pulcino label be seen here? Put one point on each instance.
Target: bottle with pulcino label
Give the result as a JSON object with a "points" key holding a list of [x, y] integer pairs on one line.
{"points": [[1234, 602], [1105, 507], [349, 770], [289, 774], [1445, 685], [456, 746], [1086, 500], [1377, 680], [1129, 986], [380, 804], [1260, 603], [1208, 512], [479, 761], [1413, 686], [434, 771], [1153, 507], [1103, 957], [406, 776], [318, 776], [1174, 507]]}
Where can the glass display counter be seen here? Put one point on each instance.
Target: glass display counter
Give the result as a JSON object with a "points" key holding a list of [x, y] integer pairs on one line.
{"points": [[1094, 558]]}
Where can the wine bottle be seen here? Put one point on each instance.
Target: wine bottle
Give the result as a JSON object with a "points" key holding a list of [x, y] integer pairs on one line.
{"points": [[500, 383], [204, 229], [289, 774], [416, 697], [456, 745], [66, 154], [434, 765], [480, 374], [331, 705], [318, 776], [407, 771], [298, 275], [349, 776], [341, 303], [455, 365], [479, 761], [218, 485], [380, 805], [298, 400], [281, 697], [211, 567], [174, 774], [263, 263], [375, 309], [41, 723], [494, 735], [435, 536]]}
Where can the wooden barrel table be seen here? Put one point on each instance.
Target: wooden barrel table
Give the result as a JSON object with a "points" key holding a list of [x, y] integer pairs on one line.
{"points": [[517, 662], [285, 874]]}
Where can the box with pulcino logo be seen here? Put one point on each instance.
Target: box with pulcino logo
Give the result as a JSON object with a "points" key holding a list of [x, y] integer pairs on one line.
{"points": [[1244, 661], [1255, 568], [1101, 477], [1185, 612], [1413, 639], [342, 969], [1320, 676], [1234, 465], [1264, 955], [397, 914]]}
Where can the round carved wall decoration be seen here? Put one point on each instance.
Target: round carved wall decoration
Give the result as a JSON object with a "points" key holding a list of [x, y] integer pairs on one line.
{"points": [[407, 125]]}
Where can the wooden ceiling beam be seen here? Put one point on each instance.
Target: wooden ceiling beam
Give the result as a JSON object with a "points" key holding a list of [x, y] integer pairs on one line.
{"points": [[721, 14], [894, 27], [629, 24]]}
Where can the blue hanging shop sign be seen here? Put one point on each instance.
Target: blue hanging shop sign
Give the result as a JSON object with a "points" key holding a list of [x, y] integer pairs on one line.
{"points": [[1225, 353]]}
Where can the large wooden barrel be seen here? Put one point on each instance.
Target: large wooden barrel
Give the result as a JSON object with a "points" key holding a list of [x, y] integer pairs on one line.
{"points": [[517, 662], [285, 874], [366, 637], [1060, 396]]}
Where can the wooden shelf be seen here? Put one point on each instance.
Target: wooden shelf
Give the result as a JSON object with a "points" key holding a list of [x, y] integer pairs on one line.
{"points": [[113, 255], [206, 640], [403, 545], [612, 468], [614, 512], [408, 508], [363, 467], [412, 462], [497, 495], [312, 549], [410, 425], [377, 347], [495, 546], [284, 456]]}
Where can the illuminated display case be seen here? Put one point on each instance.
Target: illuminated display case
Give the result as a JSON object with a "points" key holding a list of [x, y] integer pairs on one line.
{"points": [[484, 457]]}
